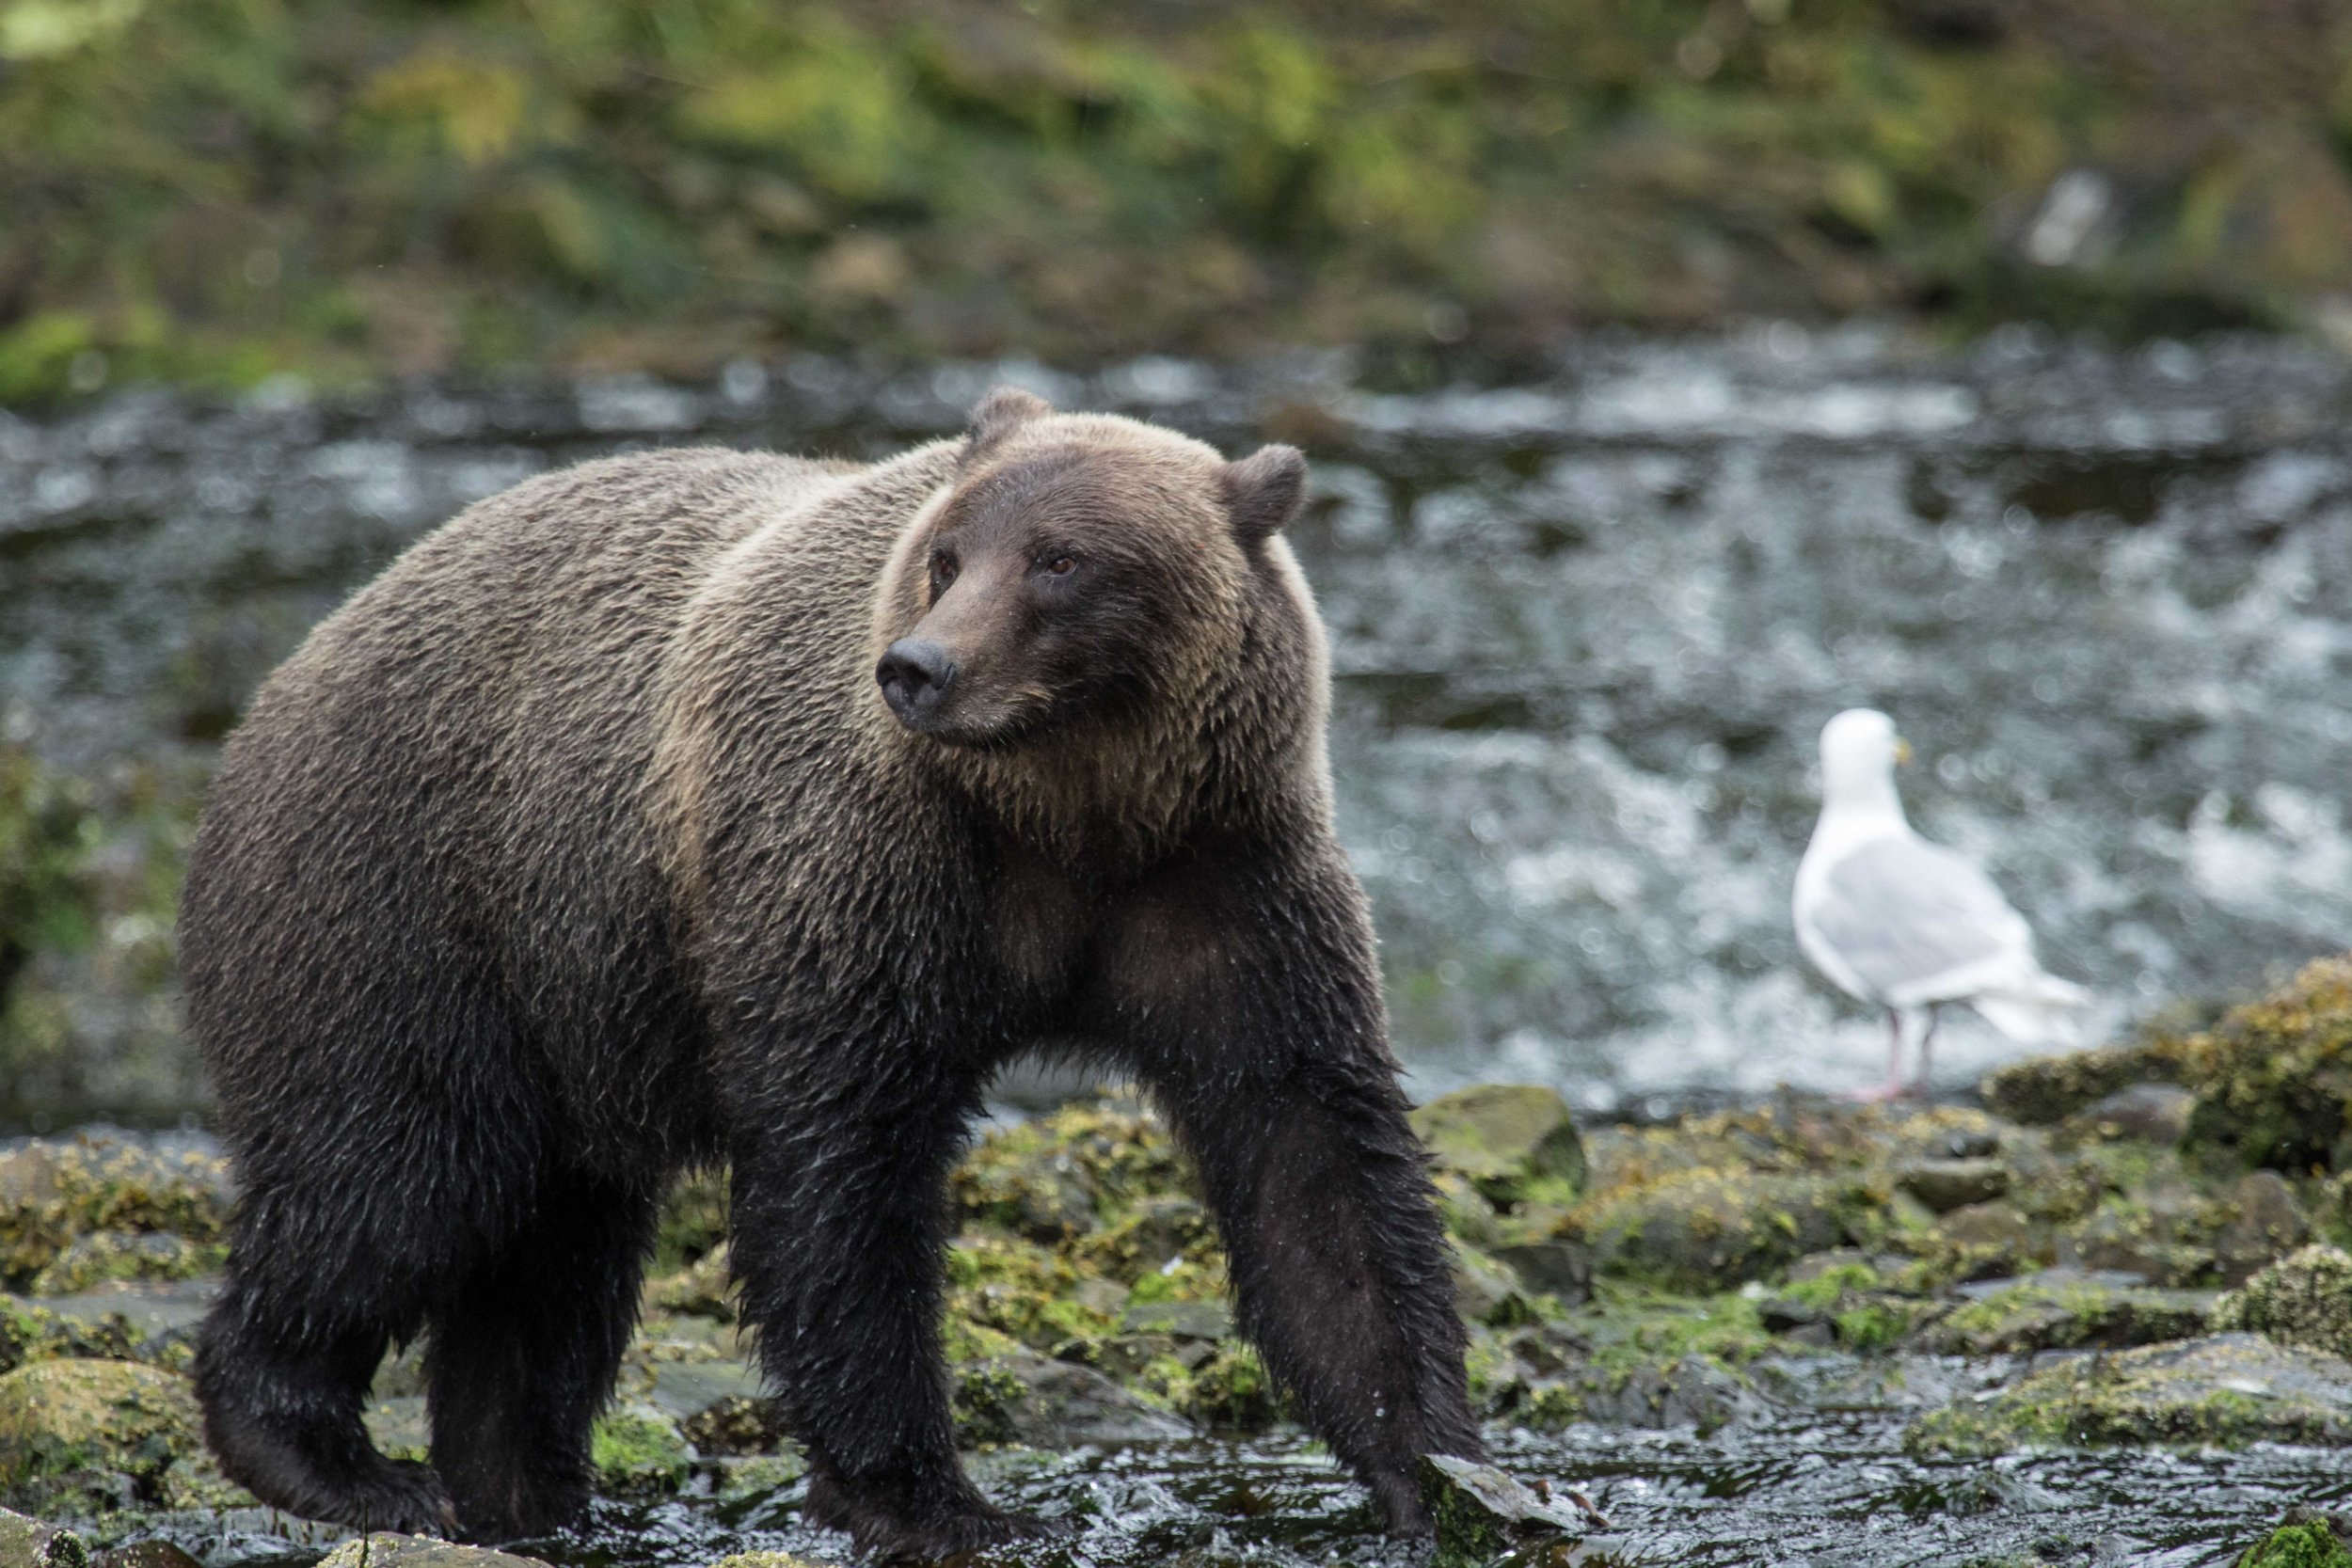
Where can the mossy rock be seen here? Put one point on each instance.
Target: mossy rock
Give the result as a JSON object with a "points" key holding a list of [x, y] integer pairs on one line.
{"points": [[2030, 1317], [1707, 1229], [32, 1543], [2273, 1077], [693, 1222], [62, 1418], [2307, 1538], [104, 1257], [703, 1289], [1018, 1288], [1501, 1135], [53, 1193], [2222, 1391], [2304, 1298], [1485, 1516], [764, 1559], [638, 1453], [2043, 1091], [1058, 1175], [384, 1549]]}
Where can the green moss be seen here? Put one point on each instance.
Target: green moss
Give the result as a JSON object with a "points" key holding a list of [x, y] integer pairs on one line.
{"points": [[53, 1193], [2311, 1544], [637, 1454], [61, 1419], [1019, 1290], [2303, 1299]]}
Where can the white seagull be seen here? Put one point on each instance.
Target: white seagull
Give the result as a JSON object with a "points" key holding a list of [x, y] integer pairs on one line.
{"points": [[1906, 924]]}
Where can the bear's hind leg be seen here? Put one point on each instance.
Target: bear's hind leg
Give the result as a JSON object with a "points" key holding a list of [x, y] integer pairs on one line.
{"points": [[281, 1390], [520, 1357]]}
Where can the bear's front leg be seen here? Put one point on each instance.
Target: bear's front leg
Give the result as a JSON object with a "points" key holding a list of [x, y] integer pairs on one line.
{"points": [[1265, 1037], [836, 1238]]}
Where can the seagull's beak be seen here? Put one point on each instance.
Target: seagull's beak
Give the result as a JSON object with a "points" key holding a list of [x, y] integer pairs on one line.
{"points": [[1903, 752]]}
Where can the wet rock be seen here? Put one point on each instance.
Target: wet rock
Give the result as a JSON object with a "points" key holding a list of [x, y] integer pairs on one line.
{"points": [[2264, 1223], [144, 1554], [2304, 1298], [721, 1407], [64, 1421], [2059, 1314], [764, 1559], [1482, 1514], [31, 1544], [2222, 1390], [1693, 1391], [638, 1452], [1499, 1135], [734, 1478], [386, 1550], [2152, 1113], [1706, 1231], [1024, 1398], [1944, 1185]]}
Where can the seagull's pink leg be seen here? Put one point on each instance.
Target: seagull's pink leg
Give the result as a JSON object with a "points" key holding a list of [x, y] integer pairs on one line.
{"points": [[1919, 1085], [1894, 1088]]}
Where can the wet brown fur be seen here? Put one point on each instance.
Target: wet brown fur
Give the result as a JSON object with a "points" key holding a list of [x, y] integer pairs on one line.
{"points": [[582, 845]]}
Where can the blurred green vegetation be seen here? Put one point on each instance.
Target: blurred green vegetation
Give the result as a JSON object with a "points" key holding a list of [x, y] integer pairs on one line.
{"points": [[213, 190]]}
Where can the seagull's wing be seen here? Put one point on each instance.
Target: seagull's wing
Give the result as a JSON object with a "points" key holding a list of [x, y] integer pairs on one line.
{"points": [[1915, 921]]}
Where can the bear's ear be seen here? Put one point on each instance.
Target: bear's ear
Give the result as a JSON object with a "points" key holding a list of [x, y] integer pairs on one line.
{"points": [[999, 414], [1262, 491]]}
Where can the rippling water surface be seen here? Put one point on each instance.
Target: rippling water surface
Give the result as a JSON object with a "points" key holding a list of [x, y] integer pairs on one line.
{"points": [[1585, 630]]}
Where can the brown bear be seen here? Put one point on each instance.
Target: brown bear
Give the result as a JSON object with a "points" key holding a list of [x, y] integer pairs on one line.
{"points": [[704, 806]]}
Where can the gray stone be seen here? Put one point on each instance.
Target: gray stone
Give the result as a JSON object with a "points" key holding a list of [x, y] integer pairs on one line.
{"points": [[386, 1550], [2158, 1113], [1482, 1514], [2265, 1223], [1555, 1268], [1944, 1185], [1064, 1406]]}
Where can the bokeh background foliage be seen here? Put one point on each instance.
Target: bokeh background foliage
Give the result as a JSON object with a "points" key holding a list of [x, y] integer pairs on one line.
{"points": [[217, 189]]}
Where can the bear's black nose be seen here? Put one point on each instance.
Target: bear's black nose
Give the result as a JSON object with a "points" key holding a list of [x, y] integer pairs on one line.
{"points": [[914, 676]]}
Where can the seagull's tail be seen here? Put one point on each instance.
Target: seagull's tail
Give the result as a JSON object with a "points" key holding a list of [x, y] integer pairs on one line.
{"points": [[2036, 1009]]}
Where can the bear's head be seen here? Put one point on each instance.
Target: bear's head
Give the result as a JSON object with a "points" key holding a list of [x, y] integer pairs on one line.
{"points": [[1076, 569]]}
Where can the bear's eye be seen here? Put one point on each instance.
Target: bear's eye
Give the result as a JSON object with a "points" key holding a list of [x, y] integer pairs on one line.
{"points": [[1059, 565], [943, 571]]}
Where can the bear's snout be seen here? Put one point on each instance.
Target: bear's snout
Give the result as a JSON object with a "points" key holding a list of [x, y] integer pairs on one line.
{"points": [[914, 676]]}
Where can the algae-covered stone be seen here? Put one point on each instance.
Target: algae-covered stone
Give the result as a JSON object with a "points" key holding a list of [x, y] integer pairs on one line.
{"points": [[1054, 1177], [2223, 1390], [764, 1559], [106, 1256], [703, 1289], [2044, 1090], [1061, 1404], [1705, 1229], [61, 1419], [638, 1453], [1501, 1134], [2264, 1223], [1944, 1185], [2061, 1314], [1483, 1515], [384, 1549], [50, 1193], [1485, 1292], [2273, 1077], [2152, 1113], [2306, 1537], [31, 1544], [2304, 1298]]}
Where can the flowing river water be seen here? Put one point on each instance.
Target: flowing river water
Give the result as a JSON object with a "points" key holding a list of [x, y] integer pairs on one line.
{"points": [[1585, 630]]}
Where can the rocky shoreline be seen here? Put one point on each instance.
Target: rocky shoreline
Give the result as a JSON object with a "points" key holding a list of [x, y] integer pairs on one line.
{"points": [[2139, 1245]]}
